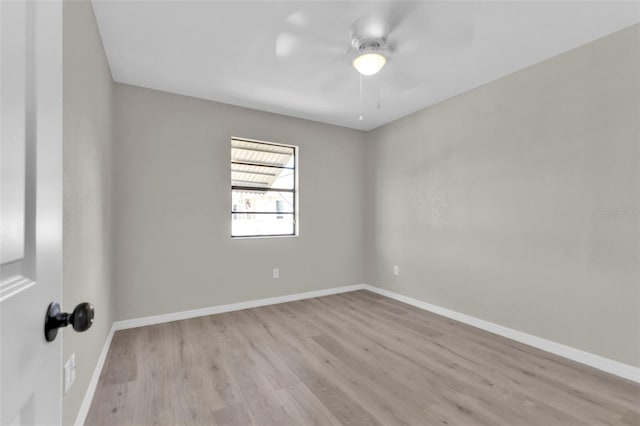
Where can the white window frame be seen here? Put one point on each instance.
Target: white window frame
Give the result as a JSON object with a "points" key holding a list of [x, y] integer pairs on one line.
{"points": [[293, 191]]}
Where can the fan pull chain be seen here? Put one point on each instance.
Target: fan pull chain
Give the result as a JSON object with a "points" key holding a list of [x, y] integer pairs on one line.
{"points": [[379, 89], [361, 116]]}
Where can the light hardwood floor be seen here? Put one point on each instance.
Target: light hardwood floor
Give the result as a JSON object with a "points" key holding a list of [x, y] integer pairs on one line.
{"points": [[351, 359]]}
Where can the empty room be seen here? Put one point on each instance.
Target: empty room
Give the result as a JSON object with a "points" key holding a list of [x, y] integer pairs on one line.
{"points": [[279, 213]]}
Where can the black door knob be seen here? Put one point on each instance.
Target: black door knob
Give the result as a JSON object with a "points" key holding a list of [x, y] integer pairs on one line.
{"points": [[80, 319]]}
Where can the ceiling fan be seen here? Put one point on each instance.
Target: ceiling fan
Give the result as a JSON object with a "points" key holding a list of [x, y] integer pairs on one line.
{"points": [[397, 36], [369, 44]]}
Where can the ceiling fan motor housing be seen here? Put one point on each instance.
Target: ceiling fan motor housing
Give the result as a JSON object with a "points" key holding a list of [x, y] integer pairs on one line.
{"points": [[369, 45]]}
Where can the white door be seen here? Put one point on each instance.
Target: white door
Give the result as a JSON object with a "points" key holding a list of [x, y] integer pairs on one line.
{"points": [[31, 209]]}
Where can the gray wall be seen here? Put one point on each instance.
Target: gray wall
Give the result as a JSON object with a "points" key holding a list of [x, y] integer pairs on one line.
{"points": [[173, 201], [493, 203], [87, 238]]}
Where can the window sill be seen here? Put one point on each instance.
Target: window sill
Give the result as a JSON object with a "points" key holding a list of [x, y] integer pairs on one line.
{"points": [[260, 237]]}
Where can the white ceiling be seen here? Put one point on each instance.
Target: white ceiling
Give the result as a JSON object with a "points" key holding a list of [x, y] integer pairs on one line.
{"points": [[226, 50]]}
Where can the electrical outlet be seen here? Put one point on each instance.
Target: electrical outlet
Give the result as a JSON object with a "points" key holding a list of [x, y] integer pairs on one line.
{"points": [[396, 270], [69, 375], [276, 273]]}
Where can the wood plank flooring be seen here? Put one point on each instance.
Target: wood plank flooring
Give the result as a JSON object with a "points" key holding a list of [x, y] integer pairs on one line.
{"points": [[351, 359]]}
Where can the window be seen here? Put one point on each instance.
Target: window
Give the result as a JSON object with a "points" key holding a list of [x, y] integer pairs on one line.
{"points": [[263, 189]]}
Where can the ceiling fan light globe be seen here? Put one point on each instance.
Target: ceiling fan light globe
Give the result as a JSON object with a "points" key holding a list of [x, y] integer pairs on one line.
{"points": [[369, 63]]}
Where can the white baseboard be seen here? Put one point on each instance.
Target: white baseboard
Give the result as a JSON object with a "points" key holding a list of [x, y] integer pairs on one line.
{"points": [[175, 316], [158, 319], [596, 361], [93, 384], [601, 363]]}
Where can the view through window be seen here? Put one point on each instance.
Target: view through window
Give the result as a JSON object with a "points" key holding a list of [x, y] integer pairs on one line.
{"points": [[263, 189]]}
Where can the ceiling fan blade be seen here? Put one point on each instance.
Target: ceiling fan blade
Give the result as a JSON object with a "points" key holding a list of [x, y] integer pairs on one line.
{"points": [[397, 13], [369, 27], [315, 36], [399, 78], [308, 56], [298, 19], [305, 45], [286, 45], [444, 25]]}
